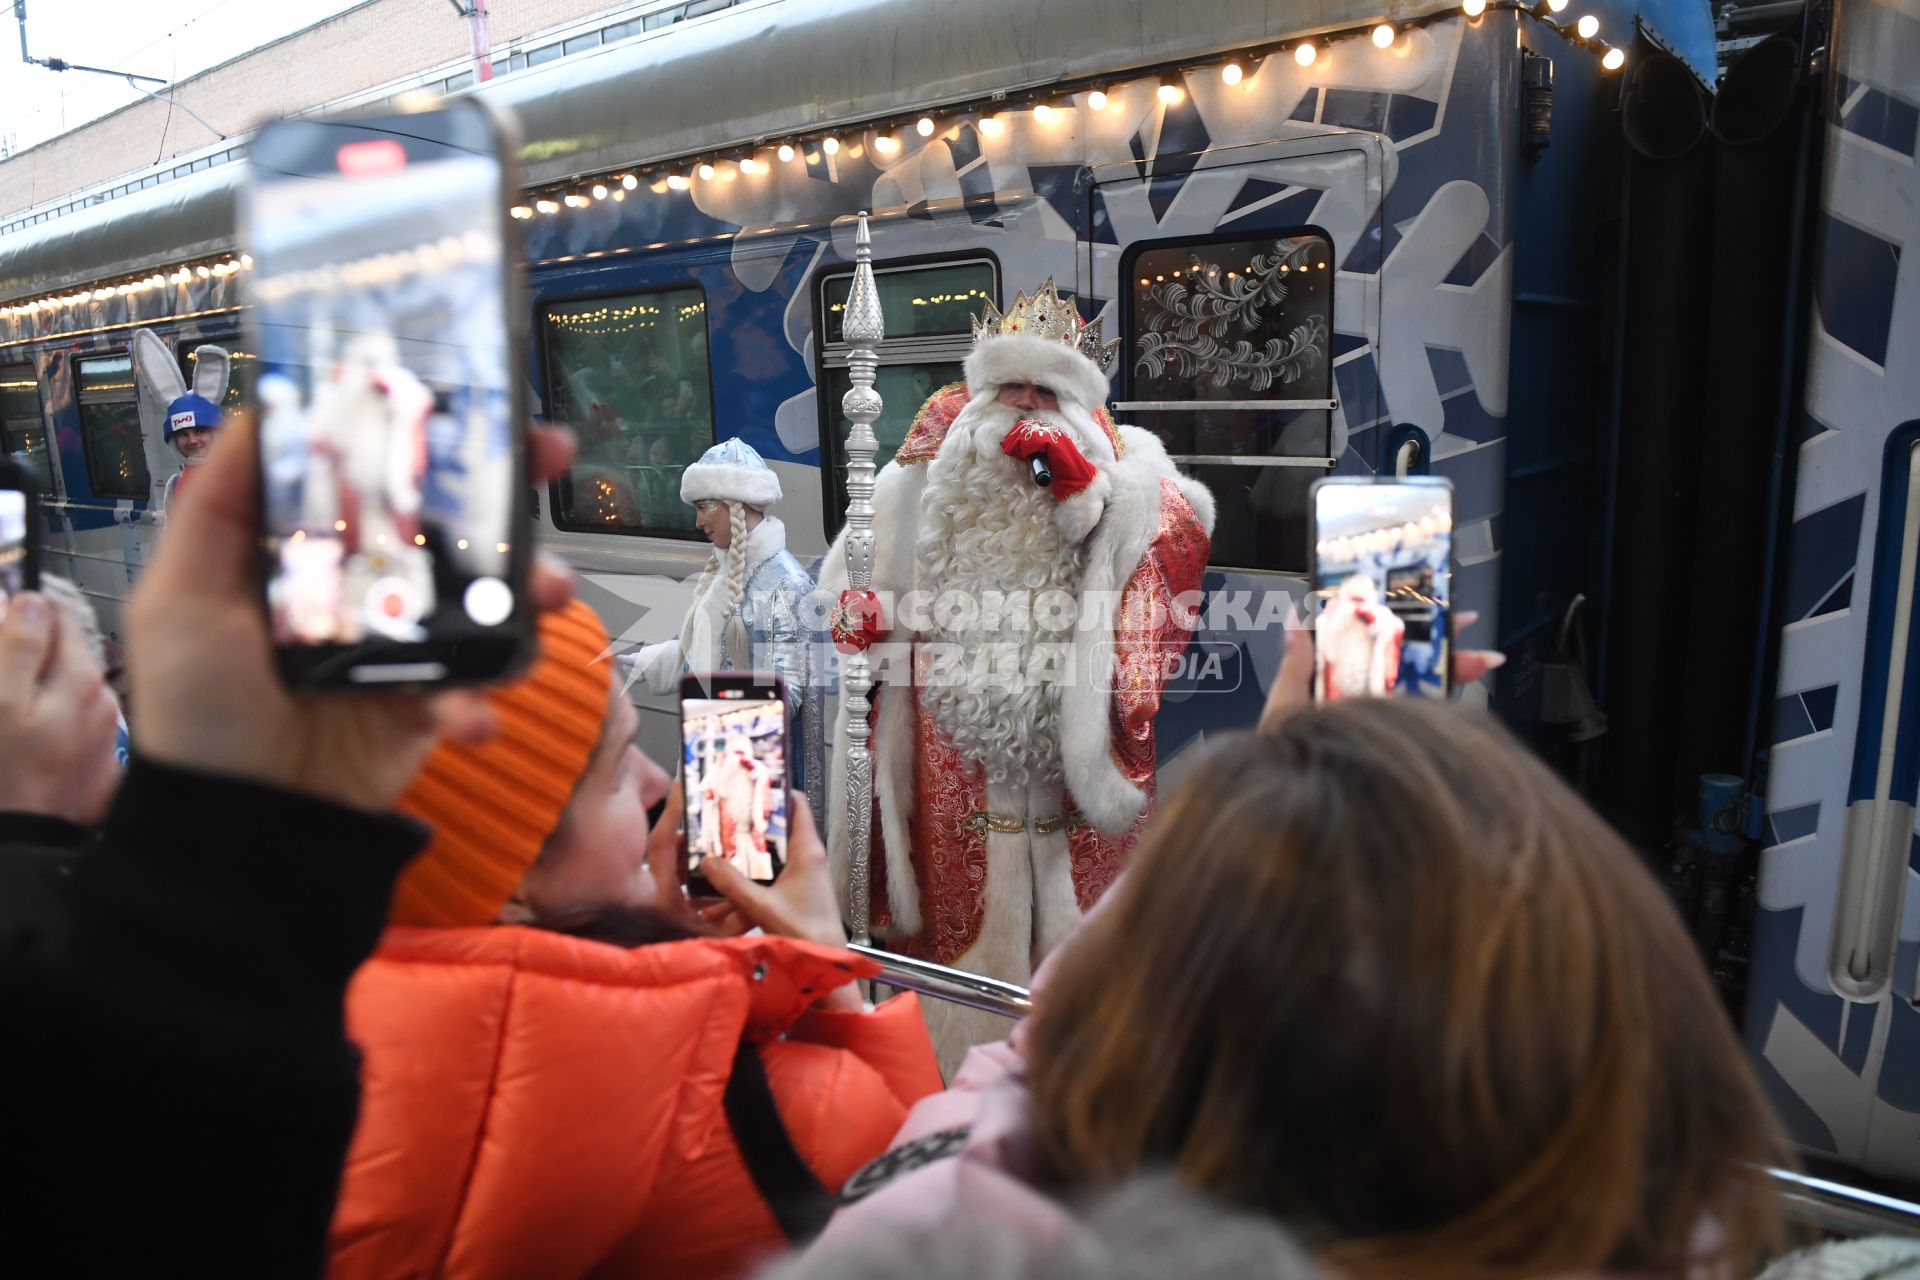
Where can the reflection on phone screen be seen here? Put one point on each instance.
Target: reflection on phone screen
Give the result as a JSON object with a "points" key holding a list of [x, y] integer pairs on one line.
{"points": [[1382, 571], [13, 542], [386, 434], [734, 753]]}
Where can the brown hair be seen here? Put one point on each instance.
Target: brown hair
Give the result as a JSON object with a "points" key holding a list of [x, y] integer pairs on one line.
{"points": [[1382, 975]]}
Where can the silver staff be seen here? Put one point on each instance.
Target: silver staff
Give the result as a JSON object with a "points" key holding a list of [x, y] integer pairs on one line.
{"points": [[864, 327]]}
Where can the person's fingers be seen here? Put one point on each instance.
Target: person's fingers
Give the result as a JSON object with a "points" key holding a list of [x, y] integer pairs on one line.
{"points": [[803, 839], [464, 716], [549, 582], [1470, 664], [1293, 683], [211, 540], [755, 904], [1464, 619], [549, 451], [71, 680], [26, 646]]}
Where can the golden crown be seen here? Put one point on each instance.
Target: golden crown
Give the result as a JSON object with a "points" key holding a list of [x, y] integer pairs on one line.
{"points": [[1047, 315]]}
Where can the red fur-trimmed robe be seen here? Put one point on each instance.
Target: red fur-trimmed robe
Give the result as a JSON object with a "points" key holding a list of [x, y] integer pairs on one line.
{"points": [[1149, 553]]}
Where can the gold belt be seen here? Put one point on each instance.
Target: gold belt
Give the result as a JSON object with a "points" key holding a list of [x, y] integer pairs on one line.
{"points": [[982, 822]]}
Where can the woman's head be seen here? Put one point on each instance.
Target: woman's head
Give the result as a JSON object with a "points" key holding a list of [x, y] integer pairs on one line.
{"points": [[1384, 976], [596, 858], [556, 800]]}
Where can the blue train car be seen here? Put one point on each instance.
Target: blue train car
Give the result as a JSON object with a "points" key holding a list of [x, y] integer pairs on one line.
{"points": [[1347, 205], [1830, 1012]]}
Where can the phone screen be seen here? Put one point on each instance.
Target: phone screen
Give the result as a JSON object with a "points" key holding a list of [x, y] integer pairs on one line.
{"points": [[733, 752], [16, 553], [1382, 577], [389, 438]]}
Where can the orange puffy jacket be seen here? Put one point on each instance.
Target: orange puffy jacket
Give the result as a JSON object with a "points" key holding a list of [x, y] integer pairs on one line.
{"points": [[541, 1105]]}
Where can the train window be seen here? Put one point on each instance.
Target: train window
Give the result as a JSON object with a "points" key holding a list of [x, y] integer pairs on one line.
{"points": [[110, 427], [1228, 360], [629, 374], [929, 309], [24, 427], [242, 366], [545, 53]]}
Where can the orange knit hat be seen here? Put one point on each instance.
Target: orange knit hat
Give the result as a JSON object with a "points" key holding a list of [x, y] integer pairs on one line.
{"points": [[493, 806]]}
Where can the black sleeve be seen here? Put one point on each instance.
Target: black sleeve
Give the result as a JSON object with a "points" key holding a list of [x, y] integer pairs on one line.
{"points": [[39, 830], [178, 1085]]}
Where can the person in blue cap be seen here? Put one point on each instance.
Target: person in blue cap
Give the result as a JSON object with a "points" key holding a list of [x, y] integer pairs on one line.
{"points": [[186, 417], [748, 609]]}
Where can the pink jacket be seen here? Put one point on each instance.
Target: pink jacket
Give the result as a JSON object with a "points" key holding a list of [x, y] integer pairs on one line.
{"points": [[965, 1155]]}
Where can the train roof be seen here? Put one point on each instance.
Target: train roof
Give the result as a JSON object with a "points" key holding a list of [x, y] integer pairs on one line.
{"points": [[757, 71]]}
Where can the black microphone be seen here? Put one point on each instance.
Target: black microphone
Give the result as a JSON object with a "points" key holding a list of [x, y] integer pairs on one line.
{"points": [[1037, 464]]}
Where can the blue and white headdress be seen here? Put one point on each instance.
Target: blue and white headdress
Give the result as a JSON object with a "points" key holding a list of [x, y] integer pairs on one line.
{"points": [[732, 472]]}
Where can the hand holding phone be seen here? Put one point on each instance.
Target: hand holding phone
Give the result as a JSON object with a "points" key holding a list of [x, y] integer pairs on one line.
{"points": [[1382, 587], [19, 530], [734, 766], [387, 321]]}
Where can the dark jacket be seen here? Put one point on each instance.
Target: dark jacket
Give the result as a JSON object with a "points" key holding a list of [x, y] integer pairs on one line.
{"points": [[178, 1087]]}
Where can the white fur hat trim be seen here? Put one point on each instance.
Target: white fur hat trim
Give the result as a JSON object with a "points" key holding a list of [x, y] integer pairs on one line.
{"points": [[1019, 357], [731, 471]]}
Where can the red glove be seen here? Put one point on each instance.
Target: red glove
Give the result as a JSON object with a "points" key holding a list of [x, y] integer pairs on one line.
{"points": [[1071, 470], [856, 621]]}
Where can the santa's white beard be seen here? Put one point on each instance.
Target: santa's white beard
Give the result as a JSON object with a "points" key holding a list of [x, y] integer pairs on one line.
{"points": [[987, 528]]}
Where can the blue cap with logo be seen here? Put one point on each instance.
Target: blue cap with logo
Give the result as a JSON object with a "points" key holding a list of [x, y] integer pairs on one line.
{"points": [[190, 411]]}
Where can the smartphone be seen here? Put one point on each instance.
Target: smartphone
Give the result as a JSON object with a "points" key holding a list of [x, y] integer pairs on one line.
{"points": [[734, 764], [19, 530], [1382, 588], [388, 317]]}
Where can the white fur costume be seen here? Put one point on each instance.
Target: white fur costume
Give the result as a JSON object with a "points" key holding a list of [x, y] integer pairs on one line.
{"points": [[958, 515]]}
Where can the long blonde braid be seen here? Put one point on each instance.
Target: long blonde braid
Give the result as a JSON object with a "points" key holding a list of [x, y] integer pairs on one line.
{"points": [[738, 644]]}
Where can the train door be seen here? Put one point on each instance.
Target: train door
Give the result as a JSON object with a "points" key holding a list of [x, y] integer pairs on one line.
{"points": [[1831, 1017], [1235, 316]]}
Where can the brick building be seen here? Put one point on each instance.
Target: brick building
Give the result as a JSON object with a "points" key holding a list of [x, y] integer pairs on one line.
{"points": [[361, 56]]}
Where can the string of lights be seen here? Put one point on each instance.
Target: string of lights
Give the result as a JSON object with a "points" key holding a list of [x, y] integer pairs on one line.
{"points": [[210, 269], [1046, 107], [990, 116]]}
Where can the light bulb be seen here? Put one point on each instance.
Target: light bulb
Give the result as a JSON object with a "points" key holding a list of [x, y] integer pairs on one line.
{"points": [[1588, 27], [1473, 8], [246, 260], [1306, 53], [1558, 6], [1383, 36], [546, 206], [886, 144], [706, 169], [1615, 59], [749, 165], [1097, 100], [676, 182], [785, 152], [924, 126], [1231, 73], [1169, 92], [1042, 112], [831, 146], [629, 182], [992, 126]]}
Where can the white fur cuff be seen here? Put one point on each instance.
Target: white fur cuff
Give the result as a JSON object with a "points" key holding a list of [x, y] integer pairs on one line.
{"points": [[1020, 357], [755, 486], [1076, 516]]}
